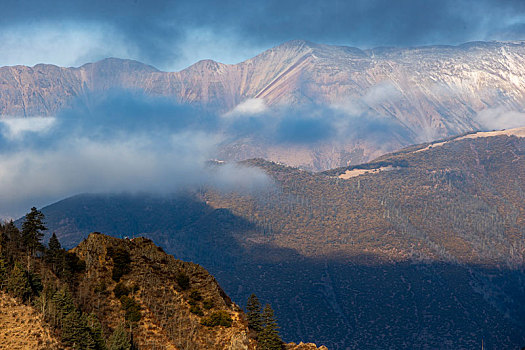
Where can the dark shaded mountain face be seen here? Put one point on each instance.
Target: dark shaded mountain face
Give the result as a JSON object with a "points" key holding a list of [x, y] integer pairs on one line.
{"points": [[424, 249], [386, 98]]}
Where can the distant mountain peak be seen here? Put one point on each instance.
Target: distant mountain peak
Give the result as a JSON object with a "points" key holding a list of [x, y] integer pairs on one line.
{"points": [[206, 65], [297, 43]]}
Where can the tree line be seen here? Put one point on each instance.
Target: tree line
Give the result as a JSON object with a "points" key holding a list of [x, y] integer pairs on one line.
{"points": [[263, 323], [44, 277]]}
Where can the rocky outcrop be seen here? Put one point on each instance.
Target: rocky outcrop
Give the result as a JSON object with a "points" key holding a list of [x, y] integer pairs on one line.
{"points": [[171, 315], [304, 346]]}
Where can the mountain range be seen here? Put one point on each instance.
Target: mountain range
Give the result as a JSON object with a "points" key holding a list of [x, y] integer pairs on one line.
{"points": [[420, 248], [388, 97]]}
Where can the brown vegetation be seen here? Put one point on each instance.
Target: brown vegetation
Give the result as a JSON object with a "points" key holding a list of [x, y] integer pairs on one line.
{"points": [[22, 327], [350, 262], [167, 321]]}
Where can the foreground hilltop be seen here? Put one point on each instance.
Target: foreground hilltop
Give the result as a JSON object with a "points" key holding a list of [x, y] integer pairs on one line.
{"points": [[107, 288], [164, 300]]}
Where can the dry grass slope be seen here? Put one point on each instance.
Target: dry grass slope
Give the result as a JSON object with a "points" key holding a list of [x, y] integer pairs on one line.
{"points": [[21, 327]]}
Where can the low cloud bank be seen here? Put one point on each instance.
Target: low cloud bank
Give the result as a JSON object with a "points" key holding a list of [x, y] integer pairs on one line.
{"points": [[123, 143], [500, 118], [127, 141], [313, 124]]}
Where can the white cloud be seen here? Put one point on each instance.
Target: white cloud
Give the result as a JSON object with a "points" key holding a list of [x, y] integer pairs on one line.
{"points": [[381, 93], [249, 107], [16, 128], [500, 118], [373, 96], [42, 173]]}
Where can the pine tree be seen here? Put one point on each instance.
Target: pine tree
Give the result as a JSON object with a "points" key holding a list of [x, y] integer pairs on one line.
{"points": [[11, 231], [18, 283], [55, 255], [63, 305], [254, 313], [13, 240], [132, 309], [32, 233], [75, 331], [4, 239], [32, 229], [35, 282], [54, 244], [119, 340], [3, 272], [269, 338], [96, 331], [71, 329]]}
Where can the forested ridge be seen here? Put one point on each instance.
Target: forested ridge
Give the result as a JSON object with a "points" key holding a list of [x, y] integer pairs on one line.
{"points": [[441, 230]]}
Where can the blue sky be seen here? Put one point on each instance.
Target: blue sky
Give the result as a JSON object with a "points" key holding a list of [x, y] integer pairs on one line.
{"points": [[174, 34]]}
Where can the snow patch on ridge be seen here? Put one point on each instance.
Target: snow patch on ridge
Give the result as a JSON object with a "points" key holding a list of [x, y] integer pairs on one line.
{"points": [[518, 132], [356, 172]]}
